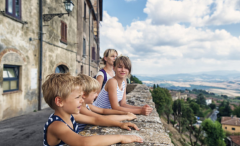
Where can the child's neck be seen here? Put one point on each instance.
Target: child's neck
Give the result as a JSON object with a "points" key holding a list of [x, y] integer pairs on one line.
{"points": [[119, 80], [62, 114]]}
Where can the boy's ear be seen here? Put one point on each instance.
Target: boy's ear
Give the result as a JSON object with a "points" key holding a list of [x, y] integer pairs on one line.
{"points": [[58, 101], [84, 95]]}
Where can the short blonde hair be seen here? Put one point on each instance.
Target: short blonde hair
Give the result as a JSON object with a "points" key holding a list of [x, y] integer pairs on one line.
{"points": [[125, 60], [108, 53], [59, 84], [90, 84]]}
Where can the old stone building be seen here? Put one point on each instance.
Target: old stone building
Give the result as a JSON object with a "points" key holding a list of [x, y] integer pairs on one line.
{"points": [[33, 46], [88, 28]]}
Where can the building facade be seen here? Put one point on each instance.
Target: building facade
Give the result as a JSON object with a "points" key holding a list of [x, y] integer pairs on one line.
{"points": [[32, 46], [231, 124]]}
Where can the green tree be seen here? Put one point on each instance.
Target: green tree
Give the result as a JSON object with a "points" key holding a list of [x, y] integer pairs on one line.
{"points": [[159, 98], [237, 111], [177, 107], [135, 79], [195, 107], [212, 106], [154, 86], [201, 100], [191, 119], [168, 104], [224, 110], [215, 134], [157, 86]]}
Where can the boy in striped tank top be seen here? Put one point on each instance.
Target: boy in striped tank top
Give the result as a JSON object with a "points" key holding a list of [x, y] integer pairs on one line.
{"points": [[63, 93], [113, 94], [90, 89]]}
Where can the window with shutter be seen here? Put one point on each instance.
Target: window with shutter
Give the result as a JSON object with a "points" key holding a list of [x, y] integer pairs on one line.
{"points": [[63, 32], [84, 47], [85, 11], [93, 53], [10, 78], [13, 8]]}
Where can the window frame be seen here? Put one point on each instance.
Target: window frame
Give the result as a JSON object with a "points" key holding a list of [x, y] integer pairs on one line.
{"points": [[63, 32], [13, 14], [85, 11], [84, 47], [12, 79], [61, 68], [93, 53], [233, 129]]}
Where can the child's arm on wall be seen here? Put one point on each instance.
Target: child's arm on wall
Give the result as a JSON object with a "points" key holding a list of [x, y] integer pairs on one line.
{"points": [[112, 93], [111, 87], [89, 117], [65, 134], [129, 116], [104, 111], [109, 113], [146, 109]]}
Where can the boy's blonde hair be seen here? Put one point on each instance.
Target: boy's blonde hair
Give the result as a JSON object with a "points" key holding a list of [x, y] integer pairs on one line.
{"points": [[61, 85], [90, 84], [108, 53], [125, 60]]}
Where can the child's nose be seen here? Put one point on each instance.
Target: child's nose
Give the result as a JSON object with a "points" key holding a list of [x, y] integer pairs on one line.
{"points": [[81, 100]]}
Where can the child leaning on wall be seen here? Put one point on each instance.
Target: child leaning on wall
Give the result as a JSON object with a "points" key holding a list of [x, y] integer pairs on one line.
{"points": [[113, 94], [63, 93], [90, 89]]}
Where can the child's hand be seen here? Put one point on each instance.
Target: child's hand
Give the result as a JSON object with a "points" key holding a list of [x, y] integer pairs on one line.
{"points": [[146, 110], [131, 116], [131, 138], [128, 125]]}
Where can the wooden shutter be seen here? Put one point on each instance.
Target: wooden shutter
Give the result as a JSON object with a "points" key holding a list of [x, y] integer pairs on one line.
{"points": [[63, 32]]}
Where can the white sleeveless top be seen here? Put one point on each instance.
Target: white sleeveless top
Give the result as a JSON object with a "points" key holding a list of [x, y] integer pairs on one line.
{"points": [[102, 100]]}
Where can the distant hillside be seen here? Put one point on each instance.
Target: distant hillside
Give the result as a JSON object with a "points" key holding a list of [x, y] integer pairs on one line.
{"points": [[215, 76], [219, 82]]}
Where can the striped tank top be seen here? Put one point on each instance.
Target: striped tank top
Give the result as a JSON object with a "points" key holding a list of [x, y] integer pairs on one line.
{"points": [[102, 100], [53, 118]]}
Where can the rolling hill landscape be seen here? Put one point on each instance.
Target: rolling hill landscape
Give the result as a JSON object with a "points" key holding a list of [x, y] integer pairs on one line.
{"points": [[218, 82]]}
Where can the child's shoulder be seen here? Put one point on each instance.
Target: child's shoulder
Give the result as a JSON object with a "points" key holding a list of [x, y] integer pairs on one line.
{"points": [[57, 127], [112, 80]]}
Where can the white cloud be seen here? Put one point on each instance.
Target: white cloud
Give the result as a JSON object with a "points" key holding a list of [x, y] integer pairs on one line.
{"points": [[194, 12], [163, 49]]}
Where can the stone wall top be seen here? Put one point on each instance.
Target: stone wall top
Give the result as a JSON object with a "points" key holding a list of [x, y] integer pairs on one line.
{"points": [[151, 127]]}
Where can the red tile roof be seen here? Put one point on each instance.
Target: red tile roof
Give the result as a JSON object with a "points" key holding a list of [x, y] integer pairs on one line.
{"points": [[230, 121], [235, 139]]}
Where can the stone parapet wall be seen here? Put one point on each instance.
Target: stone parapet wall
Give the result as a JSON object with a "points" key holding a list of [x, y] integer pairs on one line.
{"points": [[151, 127]]}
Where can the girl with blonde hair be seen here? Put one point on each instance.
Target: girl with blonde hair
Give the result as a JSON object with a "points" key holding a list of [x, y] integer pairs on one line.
{"points": [[107, 72]]}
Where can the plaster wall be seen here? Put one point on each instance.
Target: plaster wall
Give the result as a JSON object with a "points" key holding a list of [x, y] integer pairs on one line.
{"points": [[55, 52], [229, 128], [16, 49]]}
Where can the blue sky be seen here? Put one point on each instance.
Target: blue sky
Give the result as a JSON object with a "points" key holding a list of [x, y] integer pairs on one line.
{"points": [[125, 11], [170, 36]]}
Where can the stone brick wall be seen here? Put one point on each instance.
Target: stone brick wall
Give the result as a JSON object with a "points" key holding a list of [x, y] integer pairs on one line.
{"points": [[151, 127]]}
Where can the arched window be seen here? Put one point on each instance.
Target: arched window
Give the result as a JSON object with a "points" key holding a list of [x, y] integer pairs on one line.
{"points": [[61, 69]]}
